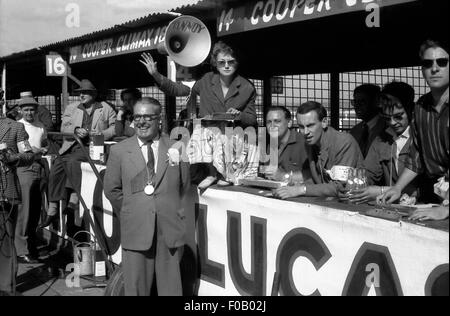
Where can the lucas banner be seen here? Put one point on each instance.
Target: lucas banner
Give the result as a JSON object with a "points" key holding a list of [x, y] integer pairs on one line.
{"points": [[255, 246], [266, 13], [252, 245]]}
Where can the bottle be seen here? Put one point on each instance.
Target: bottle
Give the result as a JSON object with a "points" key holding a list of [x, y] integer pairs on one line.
{"points": [[97, 147]]}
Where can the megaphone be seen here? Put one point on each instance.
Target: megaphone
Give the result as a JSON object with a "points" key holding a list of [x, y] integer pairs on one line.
{"points": [[187, 41]]}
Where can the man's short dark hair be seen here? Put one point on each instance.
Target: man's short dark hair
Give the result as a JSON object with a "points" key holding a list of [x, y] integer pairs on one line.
{"points": [[309, 106], [287, 113], [136, 93], [430, 43], [370, 90]]}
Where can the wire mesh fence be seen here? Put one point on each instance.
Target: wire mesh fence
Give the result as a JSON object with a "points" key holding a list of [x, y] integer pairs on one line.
{"points": [[288, 91]]}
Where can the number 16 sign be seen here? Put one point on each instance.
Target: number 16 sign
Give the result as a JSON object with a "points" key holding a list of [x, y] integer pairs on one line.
{"points": [[55, 65]]}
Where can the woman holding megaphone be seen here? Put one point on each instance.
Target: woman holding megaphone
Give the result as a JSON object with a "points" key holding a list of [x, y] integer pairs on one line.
{"points": [[221, 91]]}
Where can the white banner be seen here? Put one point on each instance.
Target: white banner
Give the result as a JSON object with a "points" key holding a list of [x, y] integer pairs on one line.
{"points": [[316, 250], [244, 239]]}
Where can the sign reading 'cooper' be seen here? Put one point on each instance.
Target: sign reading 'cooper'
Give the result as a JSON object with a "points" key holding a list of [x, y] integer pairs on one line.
{"points": [[265, 13], [123, 44]]}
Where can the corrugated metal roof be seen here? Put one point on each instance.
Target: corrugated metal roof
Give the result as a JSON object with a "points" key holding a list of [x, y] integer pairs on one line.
{"points": [[151, 18]]}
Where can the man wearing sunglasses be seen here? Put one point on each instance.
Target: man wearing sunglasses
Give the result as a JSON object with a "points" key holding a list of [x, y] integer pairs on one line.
{"points": [[430, 128]]}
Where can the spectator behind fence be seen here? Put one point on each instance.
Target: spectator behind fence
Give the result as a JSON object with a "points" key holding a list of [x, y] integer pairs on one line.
{"points": [[291, 146], [389, 151], [365, 103], [146, 180], [325, 148], [43, 115], [429, 155], [15, 151], [79, 118], [30, 183], [124, 122]]}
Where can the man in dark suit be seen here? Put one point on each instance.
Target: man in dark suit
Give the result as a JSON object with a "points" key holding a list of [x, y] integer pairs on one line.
{"points": [[365, 103], [146, 179], [15, 151]]}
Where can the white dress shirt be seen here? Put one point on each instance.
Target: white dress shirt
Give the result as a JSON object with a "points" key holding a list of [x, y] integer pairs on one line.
{"points": [[401, 142], [144, 150], [36, 132]]}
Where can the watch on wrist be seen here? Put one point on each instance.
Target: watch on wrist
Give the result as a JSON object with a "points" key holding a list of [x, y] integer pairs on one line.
{"points": [[302, 189]]}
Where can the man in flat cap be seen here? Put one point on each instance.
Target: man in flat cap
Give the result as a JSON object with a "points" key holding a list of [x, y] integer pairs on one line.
{"points": [[42, 115], [80, 118], [30, 183]]}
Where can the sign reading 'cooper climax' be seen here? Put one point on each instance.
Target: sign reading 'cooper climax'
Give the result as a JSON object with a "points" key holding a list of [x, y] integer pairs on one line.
{"points": [[265, 13], [122, 44]]}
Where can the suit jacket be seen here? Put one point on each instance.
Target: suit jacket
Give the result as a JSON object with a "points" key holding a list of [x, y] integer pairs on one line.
{"points": [[103, 121], [381, 160], [241, 96], [357, 133], [12, 133], [125, 180]]}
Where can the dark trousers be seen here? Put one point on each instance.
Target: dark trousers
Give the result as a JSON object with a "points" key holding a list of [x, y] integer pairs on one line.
{"points": [[427, 194], [29, 209], [141, 267], [200, 171], [8, 258], [59, 180]]}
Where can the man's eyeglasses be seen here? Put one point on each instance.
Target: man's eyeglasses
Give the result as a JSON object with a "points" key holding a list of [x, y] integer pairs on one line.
{"points": [[146, 117], [429, 63], [222, 63], [396, 117]]}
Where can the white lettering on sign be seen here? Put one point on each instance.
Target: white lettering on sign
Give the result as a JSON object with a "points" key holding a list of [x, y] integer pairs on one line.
{"points": [[267, 13], [258, 6], [226, 19], [125, 43], [309, 7], [282, 14], [188, 26], [56, 66], [295, 6]]}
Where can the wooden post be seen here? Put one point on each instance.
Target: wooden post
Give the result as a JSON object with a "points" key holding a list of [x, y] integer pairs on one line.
{"points": [[334, 100], [171, 102], [4, 89], [267, 96]]}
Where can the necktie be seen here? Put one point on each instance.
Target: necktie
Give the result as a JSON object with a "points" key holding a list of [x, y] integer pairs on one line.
{"points": [[151, 160], [364, 142]]}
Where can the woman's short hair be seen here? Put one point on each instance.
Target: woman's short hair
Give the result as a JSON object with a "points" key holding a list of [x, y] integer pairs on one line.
{"points": [[309, 106], [402, 91], [221, 47]]}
